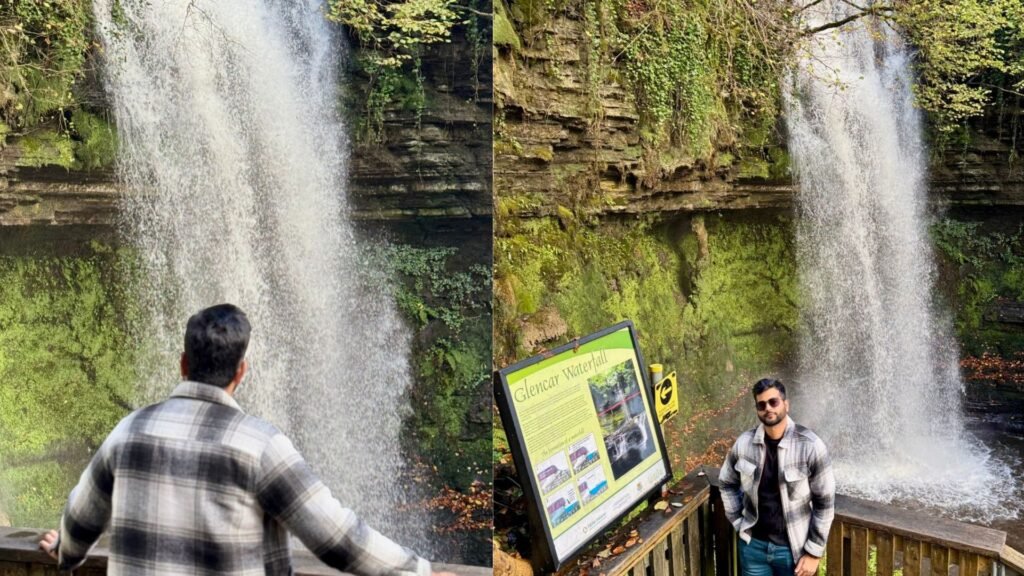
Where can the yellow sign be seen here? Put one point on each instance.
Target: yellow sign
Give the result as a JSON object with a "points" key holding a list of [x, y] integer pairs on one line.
{"points": [[666, 397]]}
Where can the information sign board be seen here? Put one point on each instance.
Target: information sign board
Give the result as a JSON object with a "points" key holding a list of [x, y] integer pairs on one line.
{"points": [[587, 445]]}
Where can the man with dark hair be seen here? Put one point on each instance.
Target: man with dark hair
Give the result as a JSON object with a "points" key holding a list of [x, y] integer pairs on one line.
{"points": [[193, 485], [778, 490]]}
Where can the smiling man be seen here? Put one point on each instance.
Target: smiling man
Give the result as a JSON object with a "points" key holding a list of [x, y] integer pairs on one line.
{"points": [[778, 490]]}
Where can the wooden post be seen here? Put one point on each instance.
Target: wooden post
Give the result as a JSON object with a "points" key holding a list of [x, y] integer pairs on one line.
{"points": [[884, 545], [911, 558], [834, 551], [722, 534]]}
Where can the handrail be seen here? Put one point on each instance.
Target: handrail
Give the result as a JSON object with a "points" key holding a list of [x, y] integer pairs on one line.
{"points": [[20, 554], [697, 540]]}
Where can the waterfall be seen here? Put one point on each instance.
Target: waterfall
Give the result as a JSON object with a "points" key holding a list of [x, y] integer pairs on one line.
{"points": [[878, 366], [234, 155]]}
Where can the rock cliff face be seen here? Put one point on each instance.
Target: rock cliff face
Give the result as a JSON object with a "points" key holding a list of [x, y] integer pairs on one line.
{"points": [[429, 165], [561, 141]]}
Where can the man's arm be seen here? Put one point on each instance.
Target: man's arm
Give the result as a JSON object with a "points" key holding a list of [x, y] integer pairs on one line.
{"points": [[291, 493], [87, 512], [732, 496], [823, 500]]}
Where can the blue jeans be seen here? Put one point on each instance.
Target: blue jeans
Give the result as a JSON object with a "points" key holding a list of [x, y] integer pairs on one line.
{"points": [[760, 558]]}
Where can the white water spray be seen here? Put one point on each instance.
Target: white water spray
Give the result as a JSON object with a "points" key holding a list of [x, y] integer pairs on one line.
{"points": [[878, 367], [235, 158]]}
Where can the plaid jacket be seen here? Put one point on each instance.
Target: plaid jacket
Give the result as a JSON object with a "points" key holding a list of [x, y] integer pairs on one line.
{"points": [[808, 488], [192, 485]]}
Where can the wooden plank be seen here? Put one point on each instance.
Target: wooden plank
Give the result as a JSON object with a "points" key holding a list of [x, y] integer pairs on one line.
{"points": [[940, 560], [920, 526], [968, 564], [911, 558], [659, 559], [834, 551], [858, 551], [693, 558], [885, 553], [984, 566], [640, 567], [654, 526], [677, 543], [954, 557], [1012, 559]]}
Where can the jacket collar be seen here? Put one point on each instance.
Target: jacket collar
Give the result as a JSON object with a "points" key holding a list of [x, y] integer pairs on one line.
{"points": [[205, 392], [787, 436]]}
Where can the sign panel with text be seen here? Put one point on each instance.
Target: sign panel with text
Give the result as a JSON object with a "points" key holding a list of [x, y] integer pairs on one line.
{"points": [[584, 437]]}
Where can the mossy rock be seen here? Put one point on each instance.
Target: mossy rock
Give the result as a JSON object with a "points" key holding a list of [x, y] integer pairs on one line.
{"points": [[504, 32]]}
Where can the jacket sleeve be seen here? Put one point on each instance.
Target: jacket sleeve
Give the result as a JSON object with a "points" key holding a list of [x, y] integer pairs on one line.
{"points": [[823, 500], [289, 491], [729, 485], [88, 509]]}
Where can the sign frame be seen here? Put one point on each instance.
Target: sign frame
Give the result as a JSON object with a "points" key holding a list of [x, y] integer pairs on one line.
{"points": [[544, 555]]}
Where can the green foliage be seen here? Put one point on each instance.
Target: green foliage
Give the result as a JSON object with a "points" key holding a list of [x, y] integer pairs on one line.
{"points": [[672, 73], [66, 375], [448, 302], [44, 44], [984, 266], [393, 35], [967, 49]]}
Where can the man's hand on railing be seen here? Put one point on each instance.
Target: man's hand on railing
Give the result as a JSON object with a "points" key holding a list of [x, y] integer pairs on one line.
{"points": [[807, 566], [49, 543]]}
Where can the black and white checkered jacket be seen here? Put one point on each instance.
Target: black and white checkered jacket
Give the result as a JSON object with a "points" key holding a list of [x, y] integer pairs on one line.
{"points": [[193, 485], [807, 486]]}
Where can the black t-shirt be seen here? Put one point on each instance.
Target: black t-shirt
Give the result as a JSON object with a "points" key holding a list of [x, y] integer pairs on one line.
{"points": [[771, 525]]}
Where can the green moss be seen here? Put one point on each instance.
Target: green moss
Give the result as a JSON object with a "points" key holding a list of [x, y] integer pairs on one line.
{"points": [[96, 144], [66, 375], [719, 319], [44, 148], [504, 31]]}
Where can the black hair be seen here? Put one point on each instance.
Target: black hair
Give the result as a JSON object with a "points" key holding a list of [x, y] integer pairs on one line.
{"points": [[215, 343], [766, 383]]}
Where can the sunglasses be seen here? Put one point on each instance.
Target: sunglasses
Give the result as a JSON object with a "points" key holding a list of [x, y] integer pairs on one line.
{"points": [[773, 402]]}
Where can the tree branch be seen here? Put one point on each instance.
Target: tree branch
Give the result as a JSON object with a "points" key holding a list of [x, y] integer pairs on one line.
{"points": [[472, 11], [873, 11]]}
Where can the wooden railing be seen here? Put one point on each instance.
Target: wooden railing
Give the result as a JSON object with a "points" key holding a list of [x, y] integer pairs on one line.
{"points": [[20, 556], [867, 539]]}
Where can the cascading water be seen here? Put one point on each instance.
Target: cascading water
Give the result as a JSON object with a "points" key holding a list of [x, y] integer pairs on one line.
{"points": [[235, 158], [878, 366]]}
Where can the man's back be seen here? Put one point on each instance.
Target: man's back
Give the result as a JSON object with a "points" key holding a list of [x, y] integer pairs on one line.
{"points": [[195, 486]]}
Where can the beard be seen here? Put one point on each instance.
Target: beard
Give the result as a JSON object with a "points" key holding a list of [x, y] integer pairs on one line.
{"points": [[769, 419]]}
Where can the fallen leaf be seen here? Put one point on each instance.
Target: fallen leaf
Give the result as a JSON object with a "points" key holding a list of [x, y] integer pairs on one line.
{"points": [[661, 505], [604, 553], [595, 563], [618, 550], [630, 543]]}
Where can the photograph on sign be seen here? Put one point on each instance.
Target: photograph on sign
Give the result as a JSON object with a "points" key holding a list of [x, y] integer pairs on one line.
{"points": [[582, 423]]}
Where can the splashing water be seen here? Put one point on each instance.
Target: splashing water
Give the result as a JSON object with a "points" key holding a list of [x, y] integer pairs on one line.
{"points": [[235, 158], [878, 365]]}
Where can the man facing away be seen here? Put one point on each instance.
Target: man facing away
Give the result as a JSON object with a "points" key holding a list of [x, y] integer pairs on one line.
{"points": [[778, 490], [193, 485]]}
